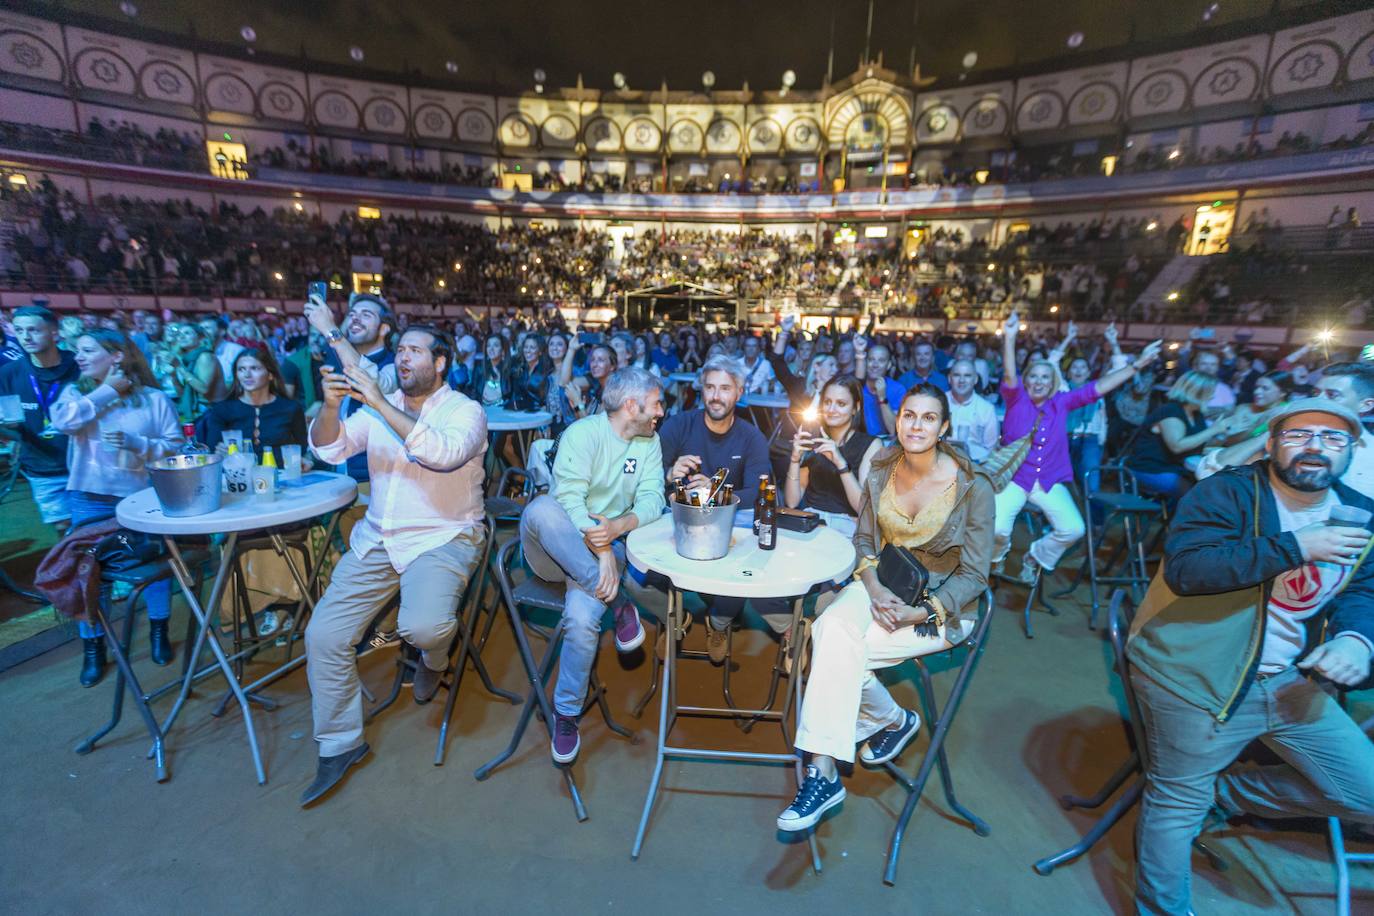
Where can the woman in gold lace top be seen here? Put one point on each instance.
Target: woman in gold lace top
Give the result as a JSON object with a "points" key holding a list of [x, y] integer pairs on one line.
{"points": [[927, 496]]}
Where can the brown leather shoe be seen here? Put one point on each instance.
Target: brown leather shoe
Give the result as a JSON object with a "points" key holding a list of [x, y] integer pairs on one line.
{"points": [[717, 643]]}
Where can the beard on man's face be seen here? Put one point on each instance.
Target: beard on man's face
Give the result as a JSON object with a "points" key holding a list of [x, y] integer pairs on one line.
{"points": [[1303, 473], [418, 380], [717, 410]]}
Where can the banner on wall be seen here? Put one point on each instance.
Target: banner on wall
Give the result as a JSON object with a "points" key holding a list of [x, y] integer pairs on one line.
{"points": [[807, 170]]}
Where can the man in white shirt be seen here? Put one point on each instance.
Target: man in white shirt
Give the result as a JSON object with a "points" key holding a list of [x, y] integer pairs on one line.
{"points": [[758, 374], [972, 418], [422, 533]]}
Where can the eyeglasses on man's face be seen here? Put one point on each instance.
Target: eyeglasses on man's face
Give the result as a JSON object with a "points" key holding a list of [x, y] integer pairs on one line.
{"points": [[1333, 440]]}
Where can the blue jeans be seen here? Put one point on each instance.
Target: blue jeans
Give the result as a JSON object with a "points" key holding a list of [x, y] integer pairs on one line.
{"points": [[96, 507], [1168, 486], [555, 552], [1329, 771]]}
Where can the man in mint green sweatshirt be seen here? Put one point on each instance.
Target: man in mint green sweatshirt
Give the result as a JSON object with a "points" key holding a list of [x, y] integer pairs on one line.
{"points": [[607, 481]]}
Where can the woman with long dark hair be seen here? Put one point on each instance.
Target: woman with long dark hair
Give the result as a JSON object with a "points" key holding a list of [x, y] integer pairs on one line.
{"points": [[116, 421], [490, 384], [927, 496], [531, 376], [831, 455], [257, 406]]}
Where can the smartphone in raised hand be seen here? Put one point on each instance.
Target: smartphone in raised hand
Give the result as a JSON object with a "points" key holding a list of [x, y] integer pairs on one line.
{"points": [[318, 289]]}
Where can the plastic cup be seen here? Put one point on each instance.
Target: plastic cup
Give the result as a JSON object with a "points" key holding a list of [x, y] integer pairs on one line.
{"points": [[264, 482], [11, 409], [291, 462], [1349, 516]]}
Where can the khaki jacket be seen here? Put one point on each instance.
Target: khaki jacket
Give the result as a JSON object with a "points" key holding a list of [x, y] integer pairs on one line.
{"points": [[958, 557]]}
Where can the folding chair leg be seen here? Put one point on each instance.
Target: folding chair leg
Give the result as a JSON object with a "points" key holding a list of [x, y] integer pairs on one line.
{"points": [[85, 747], [536, 699], [126, 673], [466, 648], [1114, 782], [1099, 830], [598, 697], [775, 677], [979, 826], [402, 664], [1342, 867], [932, 756], [655, 673]]}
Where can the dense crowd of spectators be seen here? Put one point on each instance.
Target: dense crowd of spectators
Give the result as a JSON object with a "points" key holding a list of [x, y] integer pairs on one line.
{"points": [[1097, 268], [126, 142], [130, 245]]}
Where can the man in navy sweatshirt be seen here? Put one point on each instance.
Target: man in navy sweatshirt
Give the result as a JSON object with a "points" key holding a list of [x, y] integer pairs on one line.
{"points": [[697, 443]]}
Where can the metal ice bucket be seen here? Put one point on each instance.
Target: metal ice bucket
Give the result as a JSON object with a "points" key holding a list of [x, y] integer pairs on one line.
{"points": [[187, 485], [703, 534]]}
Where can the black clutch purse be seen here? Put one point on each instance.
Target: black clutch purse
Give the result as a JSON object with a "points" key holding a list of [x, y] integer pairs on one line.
{"points": [[902, 574], [907, 577]]}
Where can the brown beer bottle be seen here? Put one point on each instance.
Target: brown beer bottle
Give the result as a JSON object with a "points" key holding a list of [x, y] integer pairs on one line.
{"points": [[768, 524], [758, 502]]}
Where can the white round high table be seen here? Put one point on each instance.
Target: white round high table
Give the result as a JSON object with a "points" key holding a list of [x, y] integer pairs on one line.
{"points": [[798, 563], [763, 407], [501, 420], [772, 401], [522, 423], [316, 493]]}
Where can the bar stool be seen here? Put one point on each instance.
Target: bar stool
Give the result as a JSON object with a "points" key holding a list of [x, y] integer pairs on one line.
{"points": [[469, 610], [534, 592], [1119, 616], [139, 578], [972, 647]]}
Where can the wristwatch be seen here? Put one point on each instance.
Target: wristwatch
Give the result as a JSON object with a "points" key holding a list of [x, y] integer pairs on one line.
{"points": [[335, 335]]}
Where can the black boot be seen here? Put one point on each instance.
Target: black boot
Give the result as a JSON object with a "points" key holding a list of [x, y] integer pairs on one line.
{"points": [[92, 660], [160, 647]]}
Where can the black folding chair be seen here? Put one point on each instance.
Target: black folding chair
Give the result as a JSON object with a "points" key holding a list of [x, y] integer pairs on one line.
{"points": [[469, 611], [1127, 564], [139, 578], [535, 593], [1119, 616], [1343, 857], [972, 647]]}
